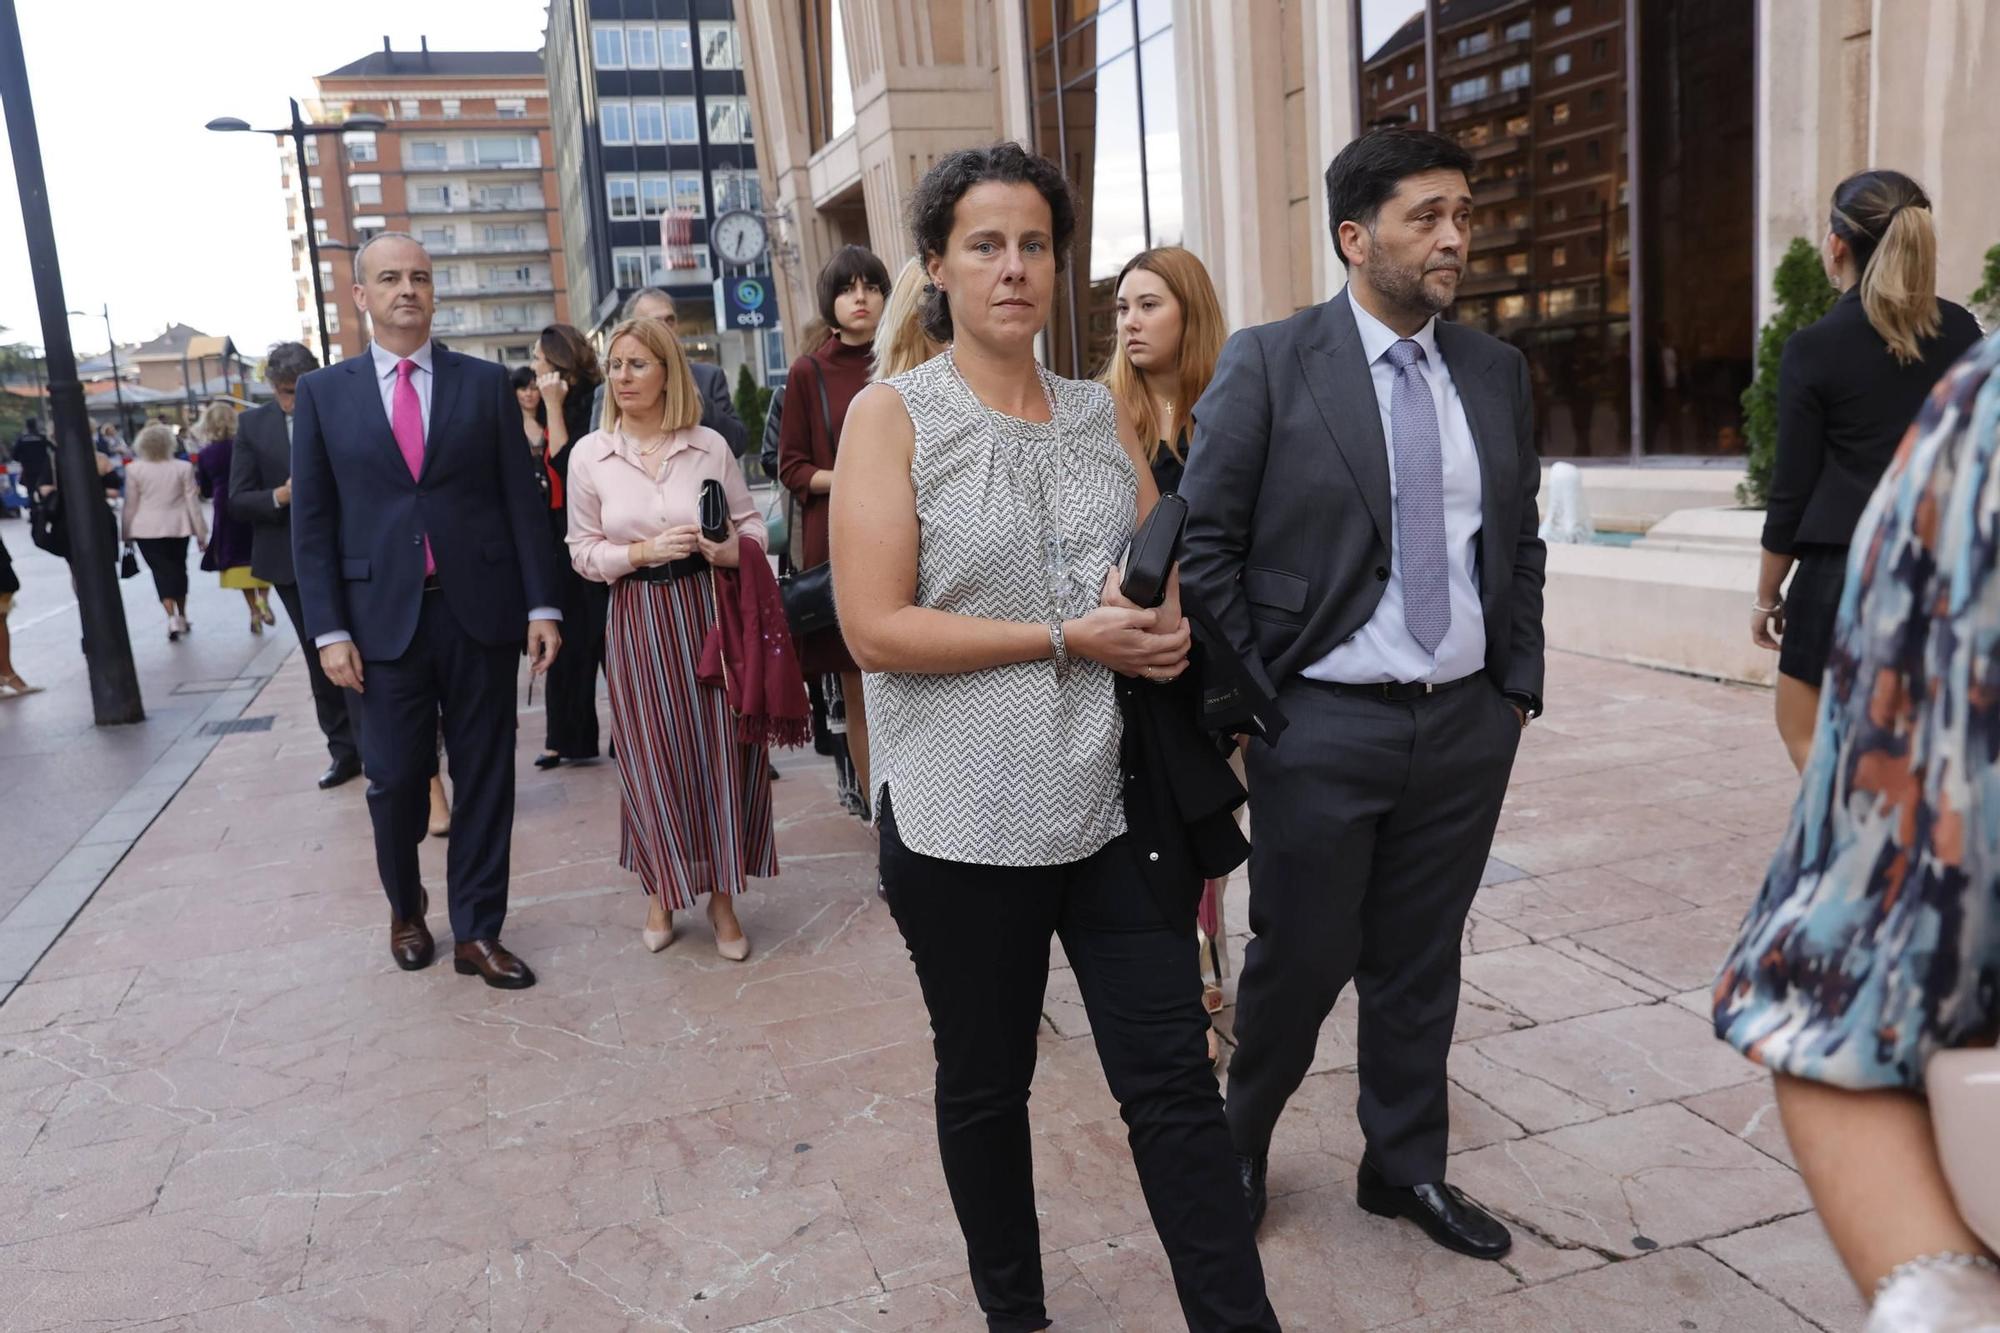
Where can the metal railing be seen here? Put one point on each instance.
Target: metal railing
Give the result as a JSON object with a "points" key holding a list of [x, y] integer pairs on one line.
{"points": [[523, 205]]}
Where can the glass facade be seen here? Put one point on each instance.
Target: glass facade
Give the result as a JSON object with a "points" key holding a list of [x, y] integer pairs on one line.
{"points": [[1537, 92], [1105, 98]]}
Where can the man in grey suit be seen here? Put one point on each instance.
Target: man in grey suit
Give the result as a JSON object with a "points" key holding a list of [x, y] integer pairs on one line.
{"points": [[1362, 519], [260, 494], [718, 409]]}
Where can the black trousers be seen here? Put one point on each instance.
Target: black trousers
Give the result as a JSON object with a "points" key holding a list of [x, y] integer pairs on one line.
{"points": [[448, 677], [1373, 822], [570, 688], [979, 936], [167, 558], [339, 710]]}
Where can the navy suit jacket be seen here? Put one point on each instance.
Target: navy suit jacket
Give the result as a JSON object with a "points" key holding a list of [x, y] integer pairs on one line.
{"points": [[359, 518]]}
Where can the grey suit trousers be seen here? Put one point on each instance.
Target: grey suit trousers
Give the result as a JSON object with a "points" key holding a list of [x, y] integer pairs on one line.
{"points": [[1371, 824]]}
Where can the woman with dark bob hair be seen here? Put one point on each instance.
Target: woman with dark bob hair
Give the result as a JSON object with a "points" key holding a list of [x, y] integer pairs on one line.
{"points": [[567, 375], [853, 289], [980, 507]]}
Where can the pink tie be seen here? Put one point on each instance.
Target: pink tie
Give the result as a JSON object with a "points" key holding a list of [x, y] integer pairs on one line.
{"points": [[406, 422]]}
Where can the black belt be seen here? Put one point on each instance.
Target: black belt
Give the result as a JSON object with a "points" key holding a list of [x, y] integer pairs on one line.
{"points": [[1395, 692], [673, 569], [431, 583]]}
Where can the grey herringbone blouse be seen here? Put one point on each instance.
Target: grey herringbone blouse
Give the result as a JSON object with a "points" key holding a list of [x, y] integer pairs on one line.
{"points": [[1017, 765]]}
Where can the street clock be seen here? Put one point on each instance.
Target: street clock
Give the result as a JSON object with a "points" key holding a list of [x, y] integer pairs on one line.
{"points": [[739, 237]]}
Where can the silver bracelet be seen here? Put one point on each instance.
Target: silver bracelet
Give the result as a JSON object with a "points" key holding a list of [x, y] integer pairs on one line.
{"points": [[1060, 653], [1770, 610], [1943, 1259]]}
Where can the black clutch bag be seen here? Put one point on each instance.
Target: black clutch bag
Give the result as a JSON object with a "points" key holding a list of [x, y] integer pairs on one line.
{"points": [[1149, 561], [714, 510], [808, 599]]}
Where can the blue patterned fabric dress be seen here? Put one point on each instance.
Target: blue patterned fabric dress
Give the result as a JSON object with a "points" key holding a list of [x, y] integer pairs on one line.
{"points": [[1875, 941]]}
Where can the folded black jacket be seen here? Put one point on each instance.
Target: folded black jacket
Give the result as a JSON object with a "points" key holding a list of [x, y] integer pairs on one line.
{"points": [[1180, 794]]}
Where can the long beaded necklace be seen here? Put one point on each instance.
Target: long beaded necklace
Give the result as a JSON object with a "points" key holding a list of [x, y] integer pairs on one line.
{"points": [[1055, 538]]}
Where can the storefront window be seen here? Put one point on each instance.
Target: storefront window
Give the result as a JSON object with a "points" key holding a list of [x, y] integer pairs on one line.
{"points": [[1105, 107]]}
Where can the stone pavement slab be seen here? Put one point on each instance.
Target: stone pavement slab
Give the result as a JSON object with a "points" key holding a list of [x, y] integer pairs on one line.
{"points": [[222, 1103]]}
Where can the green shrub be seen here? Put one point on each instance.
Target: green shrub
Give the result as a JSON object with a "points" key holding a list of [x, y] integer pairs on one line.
{"points": [[753, 403], [1985, 302], [1804, 295]]}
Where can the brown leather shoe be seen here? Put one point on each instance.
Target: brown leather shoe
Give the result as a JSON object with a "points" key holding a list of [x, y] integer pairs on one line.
{"points": [[489, 959], [410, 942]]}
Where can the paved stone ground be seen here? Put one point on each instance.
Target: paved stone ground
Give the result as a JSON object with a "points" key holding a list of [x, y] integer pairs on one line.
{"points": [[221, 1108]]}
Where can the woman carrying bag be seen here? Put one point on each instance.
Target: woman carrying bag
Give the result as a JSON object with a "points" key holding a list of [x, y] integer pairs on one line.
{"points": [[853, 288], [702, 675]]}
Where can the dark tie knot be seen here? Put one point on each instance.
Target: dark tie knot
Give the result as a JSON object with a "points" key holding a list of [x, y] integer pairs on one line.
{"points": [[1404, 353]]}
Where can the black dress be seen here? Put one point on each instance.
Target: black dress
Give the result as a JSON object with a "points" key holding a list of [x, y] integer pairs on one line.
{"points": [[1844, 405], [570, 689]]}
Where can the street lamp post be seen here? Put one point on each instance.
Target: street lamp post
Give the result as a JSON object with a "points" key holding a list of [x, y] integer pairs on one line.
{"points": [[117, 387], [298, 131], [93, 538]]}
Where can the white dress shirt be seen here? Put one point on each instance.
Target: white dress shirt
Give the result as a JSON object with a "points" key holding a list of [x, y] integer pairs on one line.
{"points": [[1383, 649], [385, 362]]}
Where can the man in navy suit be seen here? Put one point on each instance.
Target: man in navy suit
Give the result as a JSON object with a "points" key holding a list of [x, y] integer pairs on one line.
{"points": [[423, 563]]}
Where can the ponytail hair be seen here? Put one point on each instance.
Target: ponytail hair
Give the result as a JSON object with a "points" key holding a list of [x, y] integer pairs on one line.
{"points": [[1885, 218]]}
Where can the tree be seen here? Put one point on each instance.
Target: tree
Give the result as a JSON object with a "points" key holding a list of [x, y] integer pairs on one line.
{"points": [[1804, 295], [20, 368], [1985, 302], [753, 401]]}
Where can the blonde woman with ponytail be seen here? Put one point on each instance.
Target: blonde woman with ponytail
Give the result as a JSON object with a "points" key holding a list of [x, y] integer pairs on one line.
{"points": [[900, 341], [1848, 388]]}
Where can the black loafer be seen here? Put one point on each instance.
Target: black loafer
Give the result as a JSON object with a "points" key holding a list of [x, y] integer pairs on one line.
{"points": [[1449, 1217], [548, 761], [1250, 1170], [338, 772]]}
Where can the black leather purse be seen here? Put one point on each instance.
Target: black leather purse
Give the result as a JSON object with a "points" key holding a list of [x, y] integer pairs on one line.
{"points": [[714, 510], [808, 593], [1149, 560]]}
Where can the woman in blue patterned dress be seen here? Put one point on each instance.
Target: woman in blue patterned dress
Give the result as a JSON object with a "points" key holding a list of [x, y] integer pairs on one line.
{"points": [[1875, 942]]}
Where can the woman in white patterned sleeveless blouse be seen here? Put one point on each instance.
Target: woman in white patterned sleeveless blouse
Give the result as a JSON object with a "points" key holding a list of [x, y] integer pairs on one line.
{"points": [[980, 507]]}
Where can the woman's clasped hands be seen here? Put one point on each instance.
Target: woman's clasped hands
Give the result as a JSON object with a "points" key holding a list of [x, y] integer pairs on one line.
{"points": [[1130, 639]]}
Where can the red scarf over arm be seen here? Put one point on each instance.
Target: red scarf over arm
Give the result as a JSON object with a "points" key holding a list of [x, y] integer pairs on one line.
{"points": [[749, 654]]}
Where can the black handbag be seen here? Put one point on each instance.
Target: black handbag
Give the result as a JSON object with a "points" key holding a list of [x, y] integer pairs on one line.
{"points": [[713, 508], [1149, 560], [808, 593], [128, 564]]}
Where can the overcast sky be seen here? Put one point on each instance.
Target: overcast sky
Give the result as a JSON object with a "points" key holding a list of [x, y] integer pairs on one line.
{"points": [[157, 216]]}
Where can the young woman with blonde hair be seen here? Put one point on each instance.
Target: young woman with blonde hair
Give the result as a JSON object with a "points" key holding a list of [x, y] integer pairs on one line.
{"points": [[900, 341], [1848, 388], [693, 764], [1170, 332], [228, 554]]}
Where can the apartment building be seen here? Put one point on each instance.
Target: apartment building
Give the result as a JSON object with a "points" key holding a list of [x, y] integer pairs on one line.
{"points": [[465, 164]]}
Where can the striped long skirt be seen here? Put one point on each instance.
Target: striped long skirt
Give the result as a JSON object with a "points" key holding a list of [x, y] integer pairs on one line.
{"points": [[695, 803]]}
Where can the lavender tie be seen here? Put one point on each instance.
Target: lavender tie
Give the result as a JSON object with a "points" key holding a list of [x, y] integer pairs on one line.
{"points": [[1420, 543]]}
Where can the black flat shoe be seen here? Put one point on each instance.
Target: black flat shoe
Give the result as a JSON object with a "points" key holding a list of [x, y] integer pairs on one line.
{"points": [[548, 761], [1251, 1171], [1449, 1217]]}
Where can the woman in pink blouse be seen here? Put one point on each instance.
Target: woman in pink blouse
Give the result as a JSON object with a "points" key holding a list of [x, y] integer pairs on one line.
{"points": [[696, 799]]}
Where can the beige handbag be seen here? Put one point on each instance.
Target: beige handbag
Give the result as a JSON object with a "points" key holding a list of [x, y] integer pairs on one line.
{"points": [[1964, 1089]]}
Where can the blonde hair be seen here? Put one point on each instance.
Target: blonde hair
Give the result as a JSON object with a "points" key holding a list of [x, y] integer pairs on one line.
{"points": [[217, 422], [1202, 335], [1885, 218], [155, 443], [900, 341], [680, 403]]}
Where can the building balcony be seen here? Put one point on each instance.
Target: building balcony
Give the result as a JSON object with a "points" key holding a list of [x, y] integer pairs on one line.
{"points": [[489, 247], [1493, 150], [1485, 106], [1500, 191], [1491, 284], [1504, 53], [1488, 239], [540, 287], [535, 204], [469, 167], [453, 333]]}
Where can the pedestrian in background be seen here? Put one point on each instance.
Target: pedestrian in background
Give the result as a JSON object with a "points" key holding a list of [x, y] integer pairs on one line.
{"points": [[260, 494], [11, 684], [901, 344], [711, 383], [1170, 333], [229, 547], [852, 290], [1848, 387], [1874, 946], [566, 377], [35, 453], [530, 399], [162, 510], [694, 788]]}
